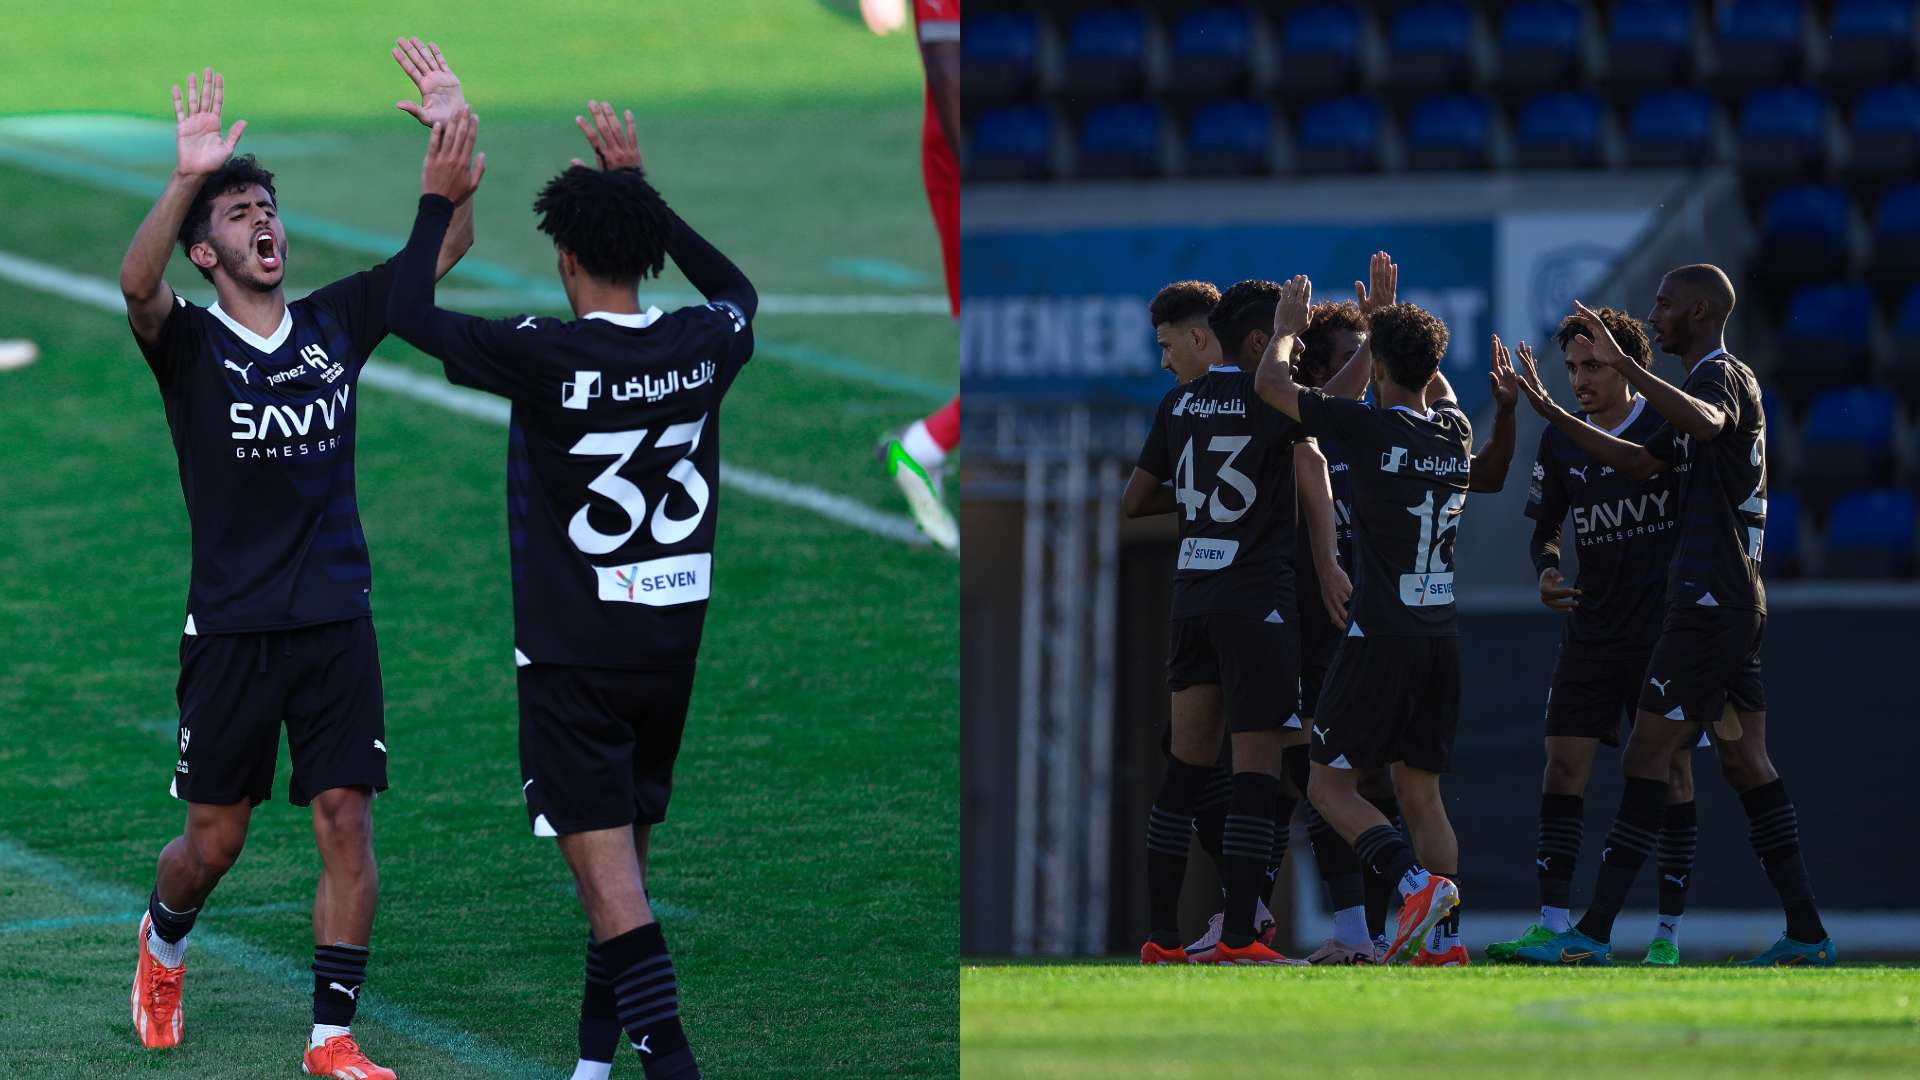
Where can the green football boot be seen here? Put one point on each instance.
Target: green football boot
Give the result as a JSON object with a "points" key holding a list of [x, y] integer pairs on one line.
{"points": [[1501, 952], [1662, 953]]}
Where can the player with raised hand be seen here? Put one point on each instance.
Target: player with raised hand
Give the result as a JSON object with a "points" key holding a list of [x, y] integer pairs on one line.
{"points": [[613, 491], [1705, 668], [260, 397], [1625, 529]]}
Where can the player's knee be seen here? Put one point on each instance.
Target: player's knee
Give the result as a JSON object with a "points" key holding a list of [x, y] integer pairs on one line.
{"points": [[1680, 779], [1564, 775], [216, 850], [342, 824], [1325, 783], [1745, 768]]}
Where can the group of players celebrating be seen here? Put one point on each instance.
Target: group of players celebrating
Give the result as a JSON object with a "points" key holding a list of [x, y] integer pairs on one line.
{"points": [[612, 493], [1314, 643]]}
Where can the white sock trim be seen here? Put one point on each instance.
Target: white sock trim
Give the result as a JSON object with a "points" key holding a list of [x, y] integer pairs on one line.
{"points": [[169, 954], [918, 442], [323, 1032], [1667, 928], [1557, 919], [1350, 925], [592, 1070]]}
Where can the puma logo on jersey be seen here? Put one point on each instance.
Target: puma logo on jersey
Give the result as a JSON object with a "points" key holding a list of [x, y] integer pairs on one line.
{"points": [[1580, 472], [1659, 684], [246, 373], [526, 324]]}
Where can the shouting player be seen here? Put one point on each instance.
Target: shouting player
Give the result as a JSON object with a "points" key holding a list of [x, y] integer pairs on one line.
{"points": [[612, 494], [1392, 696], [1625, 529], [914, 456], [260, 398], [1233, 657], [1705, 669]]}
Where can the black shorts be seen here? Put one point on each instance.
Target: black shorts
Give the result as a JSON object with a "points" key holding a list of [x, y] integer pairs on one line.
{"points": [[1256, 664], [237, 690], [1390, 699], [1705, 658], [1591, 694], [1319, 640], [597, 745]]}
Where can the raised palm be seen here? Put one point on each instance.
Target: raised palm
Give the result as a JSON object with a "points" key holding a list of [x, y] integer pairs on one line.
{"points": [[440, 95], [198, 144]]}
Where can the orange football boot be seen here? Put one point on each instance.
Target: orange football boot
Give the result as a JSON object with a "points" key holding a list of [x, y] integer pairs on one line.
{"points": [[1454, 957], [156, 996], [1252, 953], [340, 1057], [1420, 911], [1154, 954]]}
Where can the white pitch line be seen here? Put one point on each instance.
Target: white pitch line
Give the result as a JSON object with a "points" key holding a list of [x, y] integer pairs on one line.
{"points": [[105, 295]]}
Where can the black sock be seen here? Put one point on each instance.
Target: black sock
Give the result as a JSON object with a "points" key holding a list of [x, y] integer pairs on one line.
{"points": [[1169, 834], [1632, 838], [339, 971], [599, 1014], [1378, 890], [1210, 811], [1383, 848], [649, 1002], [1339, 867], [1284, 805], [1245, 846], [170, 926], [1562, 825], [1774, 829], [1679, 836]]}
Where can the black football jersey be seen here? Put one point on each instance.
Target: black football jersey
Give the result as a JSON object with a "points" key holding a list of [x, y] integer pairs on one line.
{"points": [[1723, 492], [1625, 530], [1409, 487], [263, 428], [1230, 457]]}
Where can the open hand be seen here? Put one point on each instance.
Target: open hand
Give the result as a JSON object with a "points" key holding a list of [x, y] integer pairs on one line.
{"points": [[440, 95], [1605, 349], [1555, 592], [200, 148], [613, 147], [1500, 374], [1290, 313], [1334, 591], [1384, 274], [451, 169], [1527, 376]]}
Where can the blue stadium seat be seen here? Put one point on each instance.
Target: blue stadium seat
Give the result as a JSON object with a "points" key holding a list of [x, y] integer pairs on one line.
{"points": [[1886, 133], [997, 56], [1230, 138], [1211, 52], [1783, 132], [1870, 535], [1758, 42], [1849, 438], [1876, 39], [1784, 553], [1340, 135], [1901, 366], [1449, 132], [1320, 49], [1559, 130], [1825, 339], [1106, 53], [1671, 127], [1649, 44], [1804, 234], [1119, 139], [1013, 142], [1427, 47], [1895, 262], [1783, 443], [1540, 45]]}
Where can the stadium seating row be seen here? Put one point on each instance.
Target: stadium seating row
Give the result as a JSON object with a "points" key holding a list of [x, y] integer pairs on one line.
{"points": [[1101, 50], [1868, 534], [1776, 135]]}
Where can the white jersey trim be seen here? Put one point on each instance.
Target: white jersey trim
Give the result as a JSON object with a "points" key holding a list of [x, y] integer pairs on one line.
{"points": [[264, 344], [1639, 404], [632, 320], [190, 631]]}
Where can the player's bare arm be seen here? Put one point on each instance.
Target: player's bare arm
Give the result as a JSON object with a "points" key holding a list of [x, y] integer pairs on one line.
{"points": [[1273, 380], [1488, 470], [1620, 455], [199, 150], [440, 100], [1688, 414], [1146, 496], [1316, 507]]}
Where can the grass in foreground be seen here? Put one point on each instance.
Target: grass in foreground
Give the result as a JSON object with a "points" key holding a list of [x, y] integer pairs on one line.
{"points": [[1105, 1020]]}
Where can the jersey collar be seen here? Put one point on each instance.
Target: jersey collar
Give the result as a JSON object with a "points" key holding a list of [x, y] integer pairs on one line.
{"points": [[264, 344], [1428, 415], [1632, 415], [633, 320], [1222, 367], [1719, 352]]}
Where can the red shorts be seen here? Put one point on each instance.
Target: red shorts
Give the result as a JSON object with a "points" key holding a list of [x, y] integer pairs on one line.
{"points": [[943, 195]]}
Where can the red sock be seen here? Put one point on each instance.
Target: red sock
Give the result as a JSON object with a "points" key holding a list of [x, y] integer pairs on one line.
{"points": [[944, 426]]}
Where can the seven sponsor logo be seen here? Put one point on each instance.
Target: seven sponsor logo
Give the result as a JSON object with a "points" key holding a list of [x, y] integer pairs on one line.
{"points": [[1201, 553]]}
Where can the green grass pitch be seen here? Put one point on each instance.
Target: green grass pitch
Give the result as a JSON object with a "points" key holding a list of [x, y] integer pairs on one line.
{"points": [[808, 874], [1069, 1021]]}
